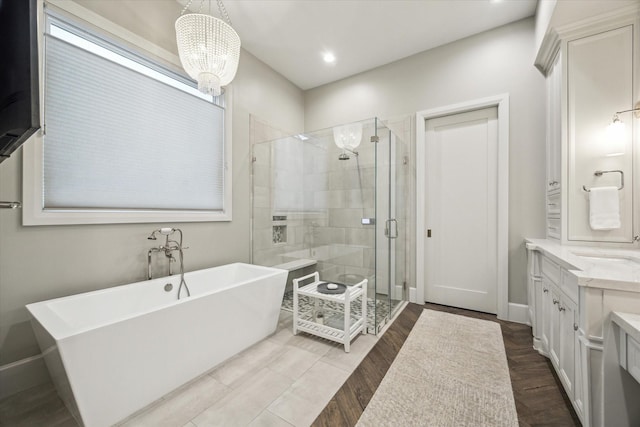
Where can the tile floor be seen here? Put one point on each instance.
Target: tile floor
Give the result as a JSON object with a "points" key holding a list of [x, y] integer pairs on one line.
{"points": [[284, 380], [375, 308]]}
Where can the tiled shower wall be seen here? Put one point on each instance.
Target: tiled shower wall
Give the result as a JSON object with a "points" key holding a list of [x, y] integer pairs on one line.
{"points": [[322, 198], [264, 250]]}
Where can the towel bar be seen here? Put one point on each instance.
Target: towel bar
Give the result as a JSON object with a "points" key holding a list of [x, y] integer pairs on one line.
{"points": [[599, 173], [10, 205]]}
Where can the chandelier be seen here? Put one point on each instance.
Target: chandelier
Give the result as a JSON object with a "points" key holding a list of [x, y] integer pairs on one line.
{"points": [[209, 48]]}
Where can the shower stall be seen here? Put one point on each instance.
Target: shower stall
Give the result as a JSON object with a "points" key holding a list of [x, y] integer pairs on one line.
{"points": [[335, 201]]}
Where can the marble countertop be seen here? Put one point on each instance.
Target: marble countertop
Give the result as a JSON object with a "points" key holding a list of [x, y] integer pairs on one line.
{"points": [[630, 323], [598, 267]]}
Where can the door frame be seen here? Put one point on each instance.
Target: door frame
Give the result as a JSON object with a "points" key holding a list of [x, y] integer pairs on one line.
{"points": [[500, 101]]}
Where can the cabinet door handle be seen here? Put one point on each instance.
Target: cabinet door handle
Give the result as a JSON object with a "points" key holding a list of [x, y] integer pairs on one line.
{"points": [[561, 308], [545, 290], [555, 301], [575, 326]]}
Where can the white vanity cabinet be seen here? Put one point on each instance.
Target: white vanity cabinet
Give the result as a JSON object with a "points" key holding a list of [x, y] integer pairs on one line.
{"points": [[591, 72], [569, 342], [554, 333], [544, 319], [556, 323], [572, 292]]}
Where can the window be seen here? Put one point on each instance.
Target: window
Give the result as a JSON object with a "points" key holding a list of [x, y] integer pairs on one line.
{"points": [[124, 138]]}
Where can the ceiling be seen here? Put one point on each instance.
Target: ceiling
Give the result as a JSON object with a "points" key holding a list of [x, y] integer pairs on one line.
{"points": [[291, 36]]}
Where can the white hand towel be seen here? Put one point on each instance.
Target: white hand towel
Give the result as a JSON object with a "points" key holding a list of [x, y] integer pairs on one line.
{"points": [[604, 208]]}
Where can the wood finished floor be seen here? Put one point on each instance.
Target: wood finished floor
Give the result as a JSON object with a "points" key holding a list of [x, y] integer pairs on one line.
{"points": [[540, 399]]}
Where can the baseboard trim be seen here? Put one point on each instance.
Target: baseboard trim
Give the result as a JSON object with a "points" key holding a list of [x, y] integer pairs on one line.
{"points": [[22, 374], [519, 313]]}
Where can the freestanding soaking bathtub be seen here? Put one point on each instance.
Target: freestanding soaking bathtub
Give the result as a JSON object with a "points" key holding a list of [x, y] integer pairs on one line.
{"points": [[114, 351]]}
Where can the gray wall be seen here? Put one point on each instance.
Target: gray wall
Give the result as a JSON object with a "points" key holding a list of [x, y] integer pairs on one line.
{"points": [[39, 263], [491, 63]]}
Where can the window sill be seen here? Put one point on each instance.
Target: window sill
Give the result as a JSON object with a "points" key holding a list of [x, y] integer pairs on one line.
{"points": [[32, 216]]}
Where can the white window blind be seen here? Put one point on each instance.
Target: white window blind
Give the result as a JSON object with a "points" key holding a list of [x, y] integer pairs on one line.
{"points": [[121, 135]]}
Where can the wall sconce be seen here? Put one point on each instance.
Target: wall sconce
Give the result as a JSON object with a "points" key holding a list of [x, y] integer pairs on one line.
{"points": [[616, 132], [347, 138]]}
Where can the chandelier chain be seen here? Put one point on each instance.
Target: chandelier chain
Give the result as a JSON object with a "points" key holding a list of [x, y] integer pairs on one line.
{"points": [[223, 12], [184, 9], [221, 9]]}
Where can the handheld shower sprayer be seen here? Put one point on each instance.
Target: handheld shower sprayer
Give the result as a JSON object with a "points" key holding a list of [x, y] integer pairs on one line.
{"points": [[165, 231]]}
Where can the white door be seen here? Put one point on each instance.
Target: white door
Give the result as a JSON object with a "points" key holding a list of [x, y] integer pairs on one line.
{"points": [[461, 261]]}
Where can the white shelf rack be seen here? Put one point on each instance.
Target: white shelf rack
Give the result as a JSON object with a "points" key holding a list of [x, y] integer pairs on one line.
{"points": [[339, 325]]}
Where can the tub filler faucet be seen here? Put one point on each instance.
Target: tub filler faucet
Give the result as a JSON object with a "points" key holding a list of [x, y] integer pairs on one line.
{"points": [[170, 246]]}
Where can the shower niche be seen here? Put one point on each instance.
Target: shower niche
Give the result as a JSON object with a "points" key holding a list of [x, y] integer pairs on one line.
{"points": [[279, 230], [335, 199]]}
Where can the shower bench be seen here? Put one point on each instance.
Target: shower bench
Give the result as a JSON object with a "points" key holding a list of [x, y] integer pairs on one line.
{"points": [[338, 324]]}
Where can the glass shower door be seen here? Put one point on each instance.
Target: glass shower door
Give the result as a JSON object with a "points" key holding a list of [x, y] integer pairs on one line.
{"points": [[391, 223], [398, 211]]}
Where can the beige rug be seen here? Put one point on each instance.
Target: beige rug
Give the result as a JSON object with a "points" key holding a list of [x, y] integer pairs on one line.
{"points": [[451, 371]]}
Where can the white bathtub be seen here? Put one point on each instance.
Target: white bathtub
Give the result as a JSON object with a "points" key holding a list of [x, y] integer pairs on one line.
{"points": [[114, 351]]}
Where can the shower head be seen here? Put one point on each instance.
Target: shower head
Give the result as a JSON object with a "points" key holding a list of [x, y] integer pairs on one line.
{"points": [[345, 156], [165, 231]]}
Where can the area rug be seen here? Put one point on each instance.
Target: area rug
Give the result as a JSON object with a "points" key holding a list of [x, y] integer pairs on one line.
{"points": [[451, 371]]}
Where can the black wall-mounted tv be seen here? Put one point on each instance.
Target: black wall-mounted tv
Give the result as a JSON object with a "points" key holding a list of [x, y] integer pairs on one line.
{"points": [[19, 96]]}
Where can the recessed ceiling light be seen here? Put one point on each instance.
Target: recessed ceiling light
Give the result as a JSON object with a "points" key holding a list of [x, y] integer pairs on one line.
{"points": [[495, 1], [329, 57]]}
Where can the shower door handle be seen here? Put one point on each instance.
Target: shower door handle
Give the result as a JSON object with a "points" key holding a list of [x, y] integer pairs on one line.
{"points": [[388, 229]]}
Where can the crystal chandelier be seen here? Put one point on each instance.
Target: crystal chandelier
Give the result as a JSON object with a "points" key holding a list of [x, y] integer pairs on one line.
{"points": [[209, 48]]}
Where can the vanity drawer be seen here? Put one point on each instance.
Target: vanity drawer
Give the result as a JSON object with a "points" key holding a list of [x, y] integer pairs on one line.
{"points": [[553, 228], [551, 270], [553, 204], [630, 355]]}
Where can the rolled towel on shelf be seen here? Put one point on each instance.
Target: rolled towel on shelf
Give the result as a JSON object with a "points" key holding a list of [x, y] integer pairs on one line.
{"points": [[604, 208]]}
